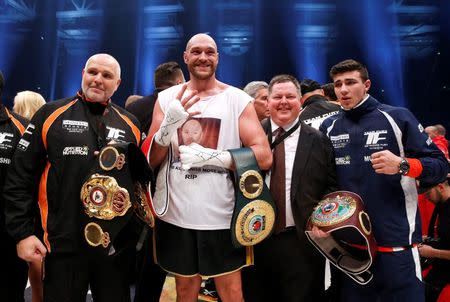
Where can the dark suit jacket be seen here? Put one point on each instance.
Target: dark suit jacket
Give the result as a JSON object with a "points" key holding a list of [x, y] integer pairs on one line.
{"points": [[142, 109], [291, 268], [313, 174]]}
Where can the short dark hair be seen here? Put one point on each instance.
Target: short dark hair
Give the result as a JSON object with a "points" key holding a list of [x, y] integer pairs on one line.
{"points": [[308, 85], [283, 78], [167, 74], [349, 65], [2, 83], [328, 91]]}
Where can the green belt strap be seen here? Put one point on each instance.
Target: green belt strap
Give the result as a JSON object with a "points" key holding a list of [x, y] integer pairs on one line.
{"points": [[254, 211]]}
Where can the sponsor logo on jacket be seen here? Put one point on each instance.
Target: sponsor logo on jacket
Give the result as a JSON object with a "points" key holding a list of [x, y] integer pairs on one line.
{"points": [[5, 161], [75, 126], [30, 129], [23, 144], [343, 160], [76, 150], [376, 139], [115, 134], [315, 122], [340, 141], [6, 140]]}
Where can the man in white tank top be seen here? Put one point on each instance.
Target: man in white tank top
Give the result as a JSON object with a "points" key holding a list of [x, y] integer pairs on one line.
{"points": [[193, 127]]}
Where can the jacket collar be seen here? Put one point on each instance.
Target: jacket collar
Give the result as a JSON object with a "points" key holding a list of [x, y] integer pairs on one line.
{"points": [[94, 107], [367, 106]]}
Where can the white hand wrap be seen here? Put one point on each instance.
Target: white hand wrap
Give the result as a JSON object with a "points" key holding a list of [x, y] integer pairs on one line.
{"points": [[175, 117], [195, 155]]}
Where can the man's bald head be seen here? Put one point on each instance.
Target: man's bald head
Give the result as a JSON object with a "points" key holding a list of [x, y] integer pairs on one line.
{"points": [[100, 78], [200, 38], [201, 57], [108, 58]]}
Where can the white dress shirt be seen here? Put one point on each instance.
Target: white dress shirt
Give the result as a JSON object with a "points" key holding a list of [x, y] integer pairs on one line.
{"points": [[290, 147]]}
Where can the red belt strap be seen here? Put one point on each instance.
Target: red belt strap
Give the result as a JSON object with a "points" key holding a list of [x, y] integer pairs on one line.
{"points": [[385, 249]]}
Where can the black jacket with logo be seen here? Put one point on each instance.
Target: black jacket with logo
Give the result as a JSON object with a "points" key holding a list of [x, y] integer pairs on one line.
{"points": [[56, 153], [316, 109], [12, 127]]}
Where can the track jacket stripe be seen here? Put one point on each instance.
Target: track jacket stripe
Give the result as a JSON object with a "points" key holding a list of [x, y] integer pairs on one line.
{"points": [[16, 122], [43, 203], [49, 121], [136, 131]]}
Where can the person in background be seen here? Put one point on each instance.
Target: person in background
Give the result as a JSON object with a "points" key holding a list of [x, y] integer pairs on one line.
{"points": [[437, 135], [150, 277], [14, 270], [315, 107], [166, 75], [131, 99], [328, 92], [426, 207], [258, 90], [26, 103], [437, 280]]}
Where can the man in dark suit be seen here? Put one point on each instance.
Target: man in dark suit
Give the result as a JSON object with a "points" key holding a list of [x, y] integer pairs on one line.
{"points": [[287, 267], [150, 277], [166, 75]]}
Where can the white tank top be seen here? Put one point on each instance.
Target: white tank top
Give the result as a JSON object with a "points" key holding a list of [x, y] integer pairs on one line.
{"points": [[203, 198]]}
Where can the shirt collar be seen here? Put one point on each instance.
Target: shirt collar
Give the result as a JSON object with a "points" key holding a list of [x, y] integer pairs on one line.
{"points": [[286, 128]]}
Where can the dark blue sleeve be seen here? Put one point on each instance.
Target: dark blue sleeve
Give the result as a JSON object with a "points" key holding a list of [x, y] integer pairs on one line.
{"points": [[418, 145]]}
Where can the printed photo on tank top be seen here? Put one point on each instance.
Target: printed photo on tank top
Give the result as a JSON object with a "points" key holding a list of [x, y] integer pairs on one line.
{"points": [[203, 131]]}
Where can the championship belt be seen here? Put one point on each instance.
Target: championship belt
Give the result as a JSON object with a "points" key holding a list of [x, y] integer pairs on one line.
{"points": [[103, 198], [254, 211], [350, 244], [116, 184]]}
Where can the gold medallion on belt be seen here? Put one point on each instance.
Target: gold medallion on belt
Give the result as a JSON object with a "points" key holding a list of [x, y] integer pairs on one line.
{"points": [[103, 198]]}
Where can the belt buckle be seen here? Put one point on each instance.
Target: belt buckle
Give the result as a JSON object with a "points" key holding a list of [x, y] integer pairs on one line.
{"points": [[251, 184], [95, 236], [110, 158]]}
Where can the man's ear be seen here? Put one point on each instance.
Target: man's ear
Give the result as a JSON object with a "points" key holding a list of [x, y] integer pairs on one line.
{"points": [[367, 83], [118, 84]]}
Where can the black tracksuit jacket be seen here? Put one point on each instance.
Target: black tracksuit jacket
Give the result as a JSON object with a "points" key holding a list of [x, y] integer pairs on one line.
{"points": [[55, 154]]}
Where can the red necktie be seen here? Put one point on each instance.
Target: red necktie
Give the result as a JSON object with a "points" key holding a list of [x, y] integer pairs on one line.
{"points": [[278, 182]]}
